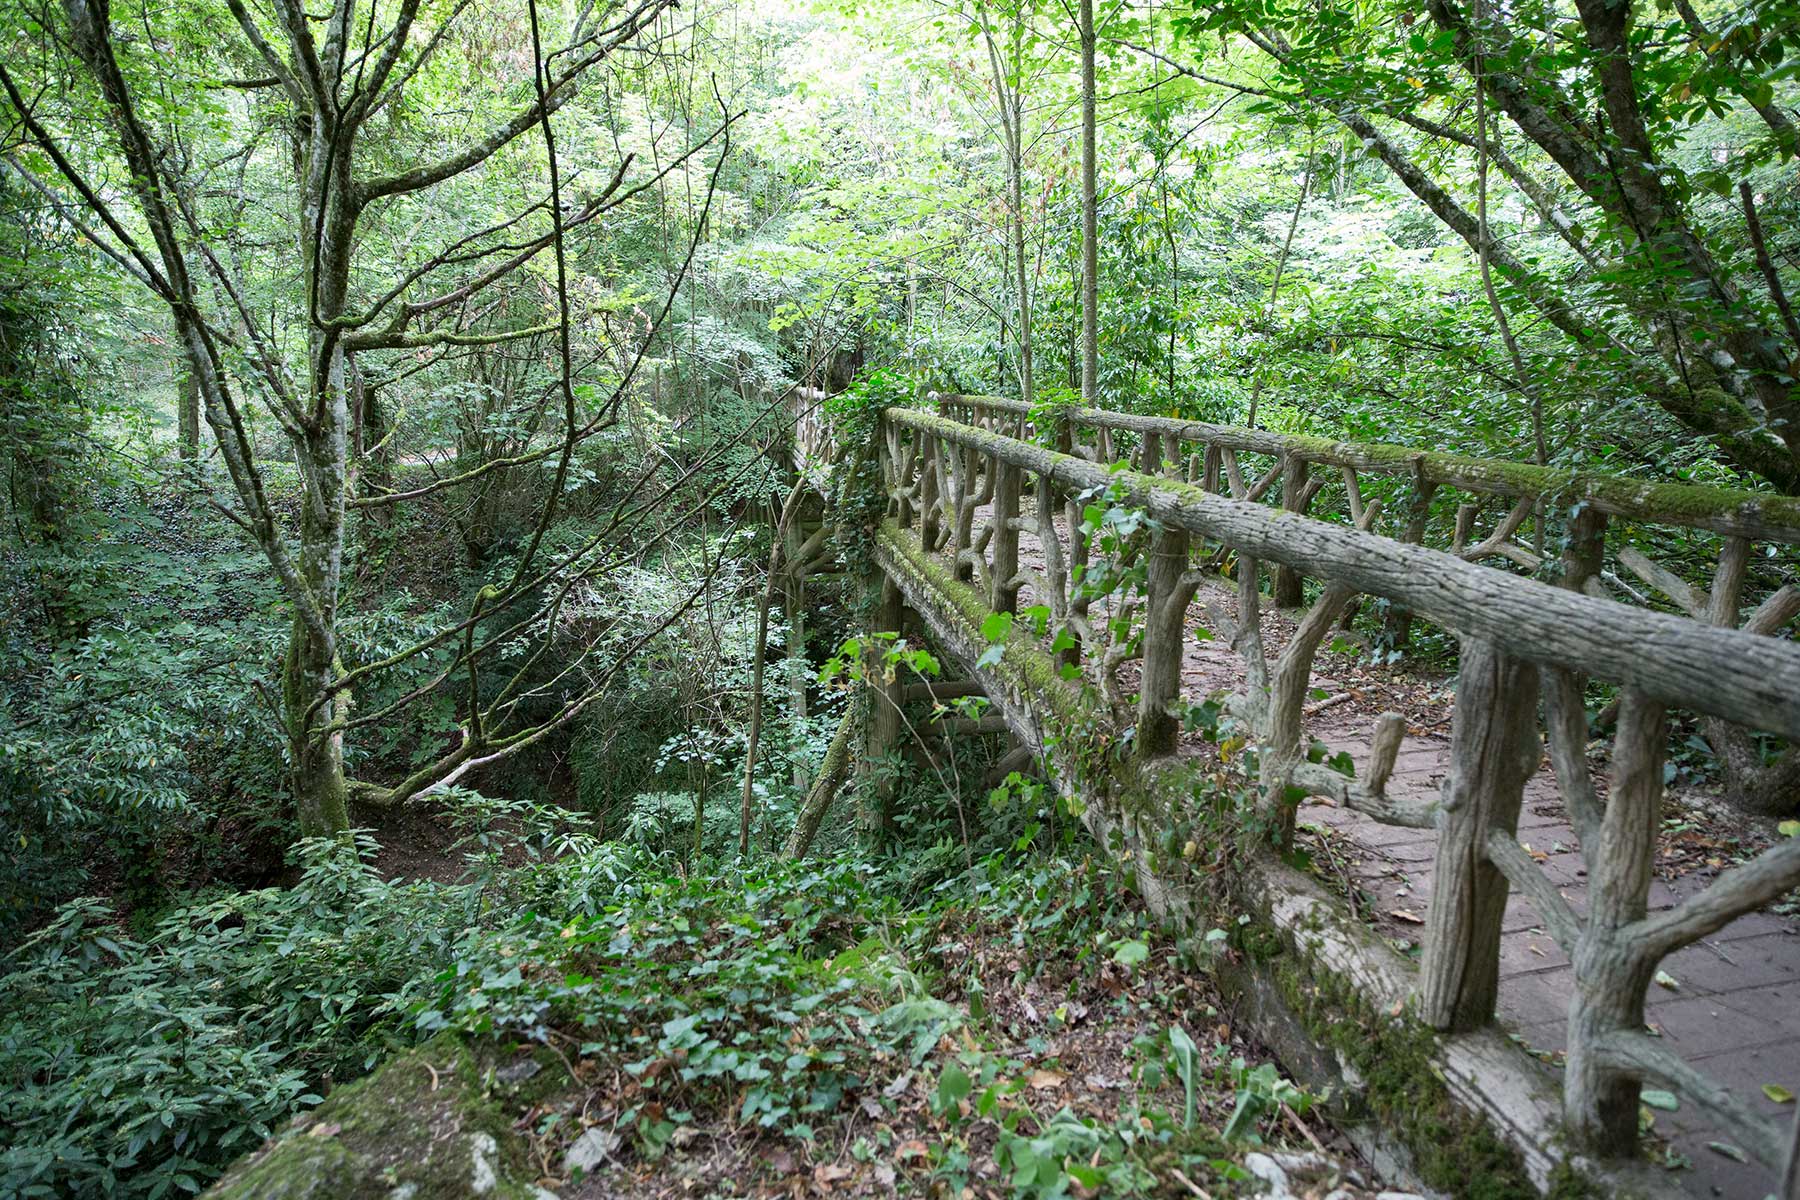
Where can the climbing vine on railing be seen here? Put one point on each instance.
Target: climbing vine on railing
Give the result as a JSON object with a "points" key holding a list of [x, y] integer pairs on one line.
{"points": [[859, 495]]}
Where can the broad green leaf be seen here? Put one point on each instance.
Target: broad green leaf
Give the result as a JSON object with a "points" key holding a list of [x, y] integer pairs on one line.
{"points": [[1130, 952]]}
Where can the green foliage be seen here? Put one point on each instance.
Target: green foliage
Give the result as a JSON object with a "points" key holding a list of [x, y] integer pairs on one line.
{"points": [[143, 1067], [130, 741], [858, 498], [706, 989], [770, 992]]}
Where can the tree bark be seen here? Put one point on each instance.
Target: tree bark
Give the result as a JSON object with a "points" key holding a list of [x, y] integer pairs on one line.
{"points": [[1090, 219], [760, 653], [832, 773], [187, 414]]}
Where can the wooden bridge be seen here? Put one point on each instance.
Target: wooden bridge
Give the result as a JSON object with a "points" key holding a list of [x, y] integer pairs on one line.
{"points": [[1146, 649]]}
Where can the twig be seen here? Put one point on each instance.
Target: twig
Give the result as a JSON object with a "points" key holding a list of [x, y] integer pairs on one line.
{"points": [[1314, 710], [1190, 1184], [1294, 1117]]}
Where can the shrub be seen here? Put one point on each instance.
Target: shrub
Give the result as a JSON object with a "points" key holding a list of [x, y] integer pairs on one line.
{"points": [[134, 1068]]}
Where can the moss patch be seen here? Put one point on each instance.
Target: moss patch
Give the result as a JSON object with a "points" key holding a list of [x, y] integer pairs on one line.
{"points": [[420, 1127], [1453, 1150]]}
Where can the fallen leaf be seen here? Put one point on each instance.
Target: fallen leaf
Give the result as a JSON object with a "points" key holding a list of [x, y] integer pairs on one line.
{"points": [[910, 1149], [1777, 1093], [1407, 915], [1664, 979], [1043, 1081], [1667, 1101], [325, 1129], [1728, 1150]]}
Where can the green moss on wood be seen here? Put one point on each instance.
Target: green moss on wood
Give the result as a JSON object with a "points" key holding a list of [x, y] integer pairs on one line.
{"points": [[1453, 1149], [1720, 509]]}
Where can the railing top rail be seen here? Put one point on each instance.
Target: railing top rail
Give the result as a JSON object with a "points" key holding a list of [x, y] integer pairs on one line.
{"points": [[1727, 673], [1756, 515]]}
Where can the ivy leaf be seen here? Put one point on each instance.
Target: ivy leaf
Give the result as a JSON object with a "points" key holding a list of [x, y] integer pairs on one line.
{"points": [[1130, 952], [953, 1085]]}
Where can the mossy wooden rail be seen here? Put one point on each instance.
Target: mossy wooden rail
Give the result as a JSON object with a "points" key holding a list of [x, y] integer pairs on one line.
{"points": [[967, 490]]}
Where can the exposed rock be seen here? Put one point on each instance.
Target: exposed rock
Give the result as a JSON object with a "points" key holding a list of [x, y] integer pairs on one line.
{"points": [[591, 1149], [518, 1072], [1278, 1172], [419, 1128]]}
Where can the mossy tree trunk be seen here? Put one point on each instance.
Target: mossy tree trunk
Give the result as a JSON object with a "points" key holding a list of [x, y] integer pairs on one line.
{"points": [[832, 773]]}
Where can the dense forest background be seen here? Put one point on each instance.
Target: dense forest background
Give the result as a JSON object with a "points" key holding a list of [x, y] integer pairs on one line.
{"points": [[395, 401]]}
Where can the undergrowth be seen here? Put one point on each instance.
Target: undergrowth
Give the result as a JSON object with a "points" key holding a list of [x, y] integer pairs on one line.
{"points": [[769, 999]]}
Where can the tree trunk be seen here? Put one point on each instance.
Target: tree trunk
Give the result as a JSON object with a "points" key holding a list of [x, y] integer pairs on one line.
{"points": [[885, 698], [832, 773], [187, 413], [794, 605], [322, 454], [315, 751], [761, 652], [1090, 221]]}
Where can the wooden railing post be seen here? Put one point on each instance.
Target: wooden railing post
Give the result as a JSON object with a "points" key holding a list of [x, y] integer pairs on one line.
{"points": [[1165, 611], [903, 470], [1294, 498], [1493, 750], [1078, 548], [1397, 626], [1007, 482], [1600, 1104], [962, 508], [1151, 456], [1565, 712], [931, 481]]}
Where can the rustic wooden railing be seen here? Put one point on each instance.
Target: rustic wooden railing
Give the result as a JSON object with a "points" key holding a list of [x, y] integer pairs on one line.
{"points": [[971, 487], [1591, 529]]}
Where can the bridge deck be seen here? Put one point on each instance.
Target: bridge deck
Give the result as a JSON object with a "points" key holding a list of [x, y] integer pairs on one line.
{"points": [[1730, 1004]]}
